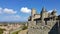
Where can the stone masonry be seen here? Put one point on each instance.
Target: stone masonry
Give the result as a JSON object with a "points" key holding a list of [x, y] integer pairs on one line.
{"points": [[43, 23]]}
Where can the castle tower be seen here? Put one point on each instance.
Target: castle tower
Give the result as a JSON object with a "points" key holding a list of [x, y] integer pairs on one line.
{"points": [[43, 15], [33, 12], [54, 12]]}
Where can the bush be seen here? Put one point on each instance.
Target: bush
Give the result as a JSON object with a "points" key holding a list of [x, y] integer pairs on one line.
{"points": [[1, 31], [24, 27]]}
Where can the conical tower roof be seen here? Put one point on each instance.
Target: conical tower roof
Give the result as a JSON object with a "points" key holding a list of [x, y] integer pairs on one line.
{"points": [[54, 11], [43, 10]]}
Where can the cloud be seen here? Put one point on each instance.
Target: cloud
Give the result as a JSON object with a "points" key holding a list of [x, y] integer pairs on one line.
{"points": [[15, 16], [9, 11], [25, 10], [50, 11]]}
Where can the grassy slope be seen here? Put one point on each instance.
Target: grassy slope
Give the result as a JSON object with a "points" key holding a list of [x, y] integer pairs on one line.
{"points": [[23, 28]]}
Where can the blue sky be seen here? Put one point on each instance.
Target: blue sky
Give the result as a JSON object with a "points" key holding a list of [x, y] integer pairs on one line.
{"points": [[19, 10]]}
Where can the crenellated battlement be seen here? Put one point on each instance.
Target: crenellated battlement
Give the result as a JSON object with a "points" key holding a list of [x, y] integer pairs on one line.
{"points": [[42, 23]]}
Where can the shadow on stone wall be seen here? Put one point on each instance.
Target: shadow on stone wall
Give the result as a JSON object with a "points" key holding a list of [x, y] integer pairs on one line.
{"points": [[54, 29]]}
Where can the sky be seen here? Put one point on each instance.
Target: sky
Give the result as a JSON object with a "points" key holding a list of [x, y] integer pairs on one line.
{"points": [[20, 10]]}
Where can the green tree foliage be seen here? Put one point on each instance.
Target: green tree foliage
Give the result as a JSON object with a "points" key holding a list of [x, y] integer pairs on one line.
{"points": [[24, 27], [1, 31]]}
